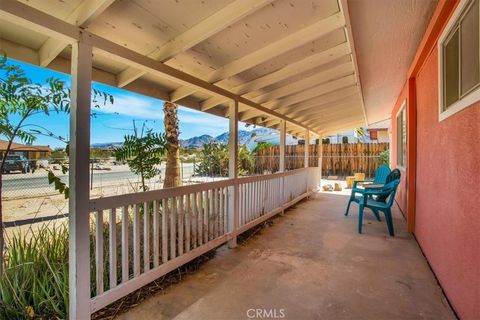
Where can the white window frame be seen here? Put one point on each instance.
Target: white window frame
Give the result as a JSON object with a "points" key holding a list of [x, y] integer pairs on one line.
{"points": [[470, 98], [399, 139]]}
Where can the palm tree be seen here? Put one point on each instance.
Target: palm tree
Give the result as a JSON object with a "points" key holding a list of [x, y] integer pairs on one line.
{"points": [[172, 171]]}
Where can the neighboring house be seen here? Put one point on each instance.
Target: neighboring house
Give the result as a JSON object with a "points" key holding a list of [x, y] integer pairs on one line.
{"points": [[378, 135], [378, 132], [29, 151]]}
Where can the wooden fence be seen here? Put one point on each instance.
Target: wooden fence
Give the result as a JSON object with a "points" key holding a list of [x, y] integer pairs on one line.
{"points": [[338, 159]]}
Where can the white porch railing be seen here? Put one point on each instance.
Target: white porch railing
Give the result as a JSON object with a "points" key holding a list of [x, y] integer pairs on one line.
{"points": [[155, 232]]}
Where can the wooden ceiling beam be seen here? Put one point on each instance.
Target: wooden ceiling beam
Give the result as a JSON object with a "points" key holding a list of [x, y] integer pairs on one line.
{"points": [[294, 40], [331, 97], [302, 96], [349, 101], [336, 72], [293, 69], [81, 16], [205, 29]]}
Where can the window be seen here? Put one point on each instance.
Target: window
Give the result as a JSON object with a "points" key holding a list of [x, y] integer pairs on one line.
{"points": [[402, 136], [459, 49]]}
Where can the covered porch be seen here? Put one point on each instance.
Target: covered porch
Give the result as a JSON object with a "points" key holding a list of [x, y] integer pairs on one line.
{"points": [[311, 264], [292, 66]]}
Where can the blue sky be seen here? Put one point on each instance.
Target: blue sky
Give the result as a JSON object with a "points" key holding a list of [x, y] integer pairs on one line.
{"points": [[114, 121]]}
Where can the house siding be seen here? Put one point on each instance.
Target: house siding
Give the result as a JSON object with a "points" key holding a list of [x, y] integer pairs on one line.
{"points": [[445, 200], [447, 223]]}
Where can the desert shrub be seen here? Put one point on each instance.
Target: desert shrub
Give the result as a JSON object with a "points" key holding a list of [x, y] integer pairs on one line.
{"points": [[35, 281], [213, 160], [384, 157]]}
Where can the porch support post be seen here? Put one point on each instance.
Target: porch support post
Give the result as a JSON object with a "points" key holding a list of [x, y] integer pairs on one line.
{"points": [[78, 222], [233, 171], [307, 147], [283, 130], [320, 160]]}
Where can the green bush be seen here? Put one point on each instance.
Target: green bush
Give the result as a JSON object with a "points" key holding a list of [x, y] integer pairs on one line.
{"points": [[35, 282], [213, 160], [384, 157]]}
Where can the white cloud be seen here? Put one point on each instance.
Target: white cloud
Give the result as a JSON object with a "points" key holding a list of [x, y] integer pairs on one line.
{"points": [[147, 108]]}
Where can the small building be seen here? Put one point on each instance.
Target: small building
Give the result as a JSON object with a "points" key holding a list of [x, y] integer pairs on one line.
{"points": [[30, 151]]}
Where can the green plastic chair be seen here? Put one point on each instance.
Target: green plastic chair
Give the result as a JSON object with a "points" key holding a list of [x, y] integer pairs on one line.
{"points": [[367, 200], [380, 177]]}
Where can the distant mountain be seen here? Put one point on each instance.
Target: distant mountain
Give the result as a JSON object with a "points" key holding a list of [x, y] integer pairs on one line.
{"points": [[243, 137], [196, 142], [107, 145], [248, 138]]}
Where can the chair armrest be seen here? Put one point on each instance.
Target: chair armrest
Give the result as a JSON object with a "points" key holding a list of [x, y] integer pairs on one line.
{"points": [[359, 181], [377, 192]]}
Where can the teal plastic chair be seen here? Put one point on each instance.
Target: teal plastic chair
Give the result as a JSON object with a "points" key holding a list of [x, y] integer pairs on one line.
{"points": [[367, 200], [380, 177]]}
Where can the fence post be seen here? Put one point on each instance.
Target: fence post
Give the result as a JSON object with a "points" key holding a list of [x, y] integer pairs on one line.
{"points": [[78, 221], [233, 172]]}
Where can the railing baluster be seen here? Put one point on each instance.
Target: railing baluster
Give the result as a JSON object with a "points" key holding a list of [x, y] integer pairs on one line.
{"points": [[205, 205], [173, 228], [156, 235], [112, 242], [99, 251], [227, 205], [194, 219], [136, 240], [245, 209], [211, 215], [181, 223], [164, 230], [209, 210], [267, 195], [146, 236], [220, 212], [125, 225], [259, 190], [188, 226], [216, 213], [245, 206], [240, 204], [201, 217], [252, 201]]}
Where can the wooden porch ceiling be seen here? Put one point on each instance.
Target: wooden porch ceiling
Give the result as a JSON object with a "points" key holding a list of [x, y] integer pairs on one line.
{"points": [[291, 58]]}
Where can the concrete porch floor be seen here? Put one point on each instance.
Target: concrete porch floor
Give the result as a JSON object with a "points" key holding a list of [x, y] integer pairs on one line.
{"points": [[312, 264]]}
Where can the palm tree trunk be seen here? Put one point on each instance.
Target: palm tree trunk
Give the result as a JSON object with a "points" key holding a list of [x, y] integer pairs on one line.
{"points": [[172, 170]]}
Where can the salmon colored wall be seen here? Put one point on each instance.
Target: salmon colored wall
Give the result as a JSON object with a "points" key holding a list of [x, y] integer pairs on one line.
{"points": [[401, 196], [447, 190], [441, 190]]}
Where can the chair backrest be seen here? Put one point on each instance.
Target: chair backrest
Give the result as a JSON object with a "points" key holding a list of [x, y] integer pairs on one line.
{"points": [[394, 175], [389, 190], [381, 174]]}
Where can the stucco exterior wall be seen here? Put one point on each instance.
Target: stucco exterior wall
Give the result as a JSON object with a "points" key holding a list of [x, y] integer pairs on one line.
{"points": [[447, 200]]}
